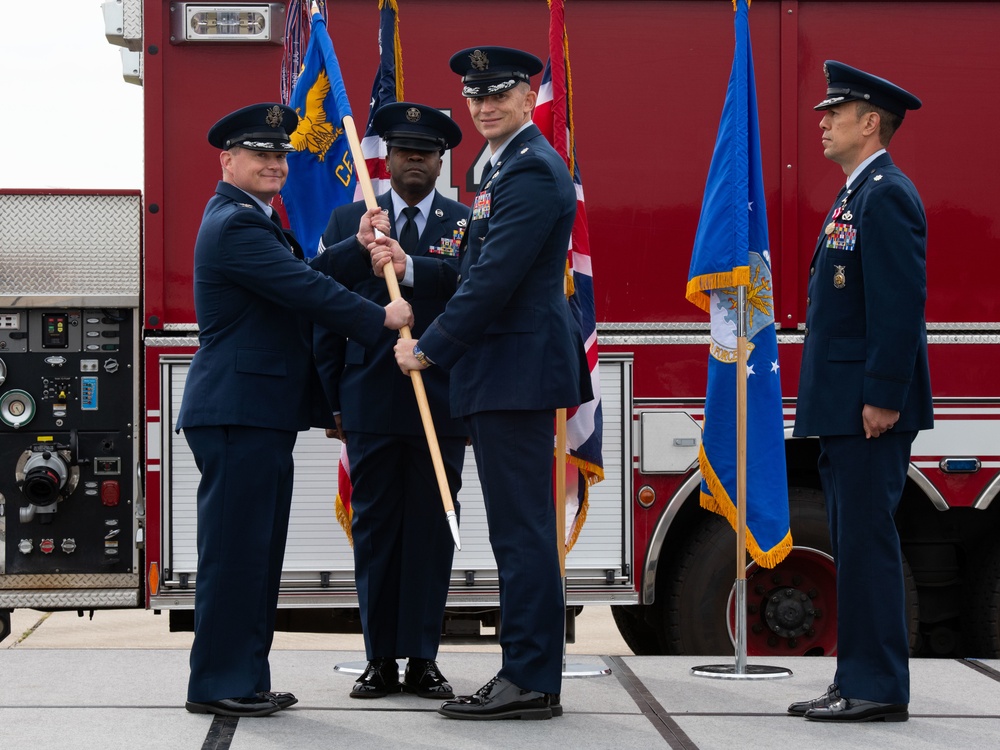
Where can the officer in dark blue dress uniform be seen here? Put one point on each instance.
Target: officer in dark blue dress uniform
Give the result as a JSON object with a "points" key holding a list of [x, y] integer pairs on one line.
{"points": [[248, 392], [515, 357], [864, 388], [403, 548]]}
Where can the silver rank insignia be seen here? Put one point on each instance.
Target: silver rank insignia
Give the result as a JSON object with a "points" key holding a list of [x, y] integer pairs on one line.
{"points": [[878, 177], [839, 277]]}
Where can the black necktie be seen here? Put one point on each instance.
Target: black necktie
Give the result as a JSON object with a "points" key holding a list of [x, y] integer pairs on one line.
{"points": [[408, 236]]}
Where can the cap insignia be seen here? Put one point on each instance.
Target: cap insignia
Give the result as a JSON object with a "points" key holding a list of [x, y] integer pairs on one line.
{"points": [[479, 60], [509, 83], [274, 116], [826, 72], [413, 114]]}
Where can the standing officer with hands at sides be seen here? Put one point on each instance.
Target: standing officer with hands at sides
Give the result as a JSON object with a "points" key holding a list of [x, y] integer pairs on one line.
{"points": [[515, 356], [864, 388], [402, 543], [247, 395]]}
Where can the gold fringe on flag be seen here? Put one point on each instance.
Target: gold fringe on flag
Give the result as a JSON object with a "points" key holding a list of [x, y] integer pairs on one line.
{"points": [[344, 516], [720, 503], [397, 48], [699, 287]]}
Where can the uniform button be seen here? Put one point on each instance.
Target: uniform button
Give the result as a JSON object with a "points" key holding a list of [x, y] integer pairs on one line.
{"points": [[812, 270], [808, 301], [805, 332]]}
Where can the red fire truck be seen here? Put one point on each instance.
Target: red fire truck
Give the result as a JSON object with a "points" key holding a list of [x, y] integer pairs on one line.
{"points": [[97, 326]]}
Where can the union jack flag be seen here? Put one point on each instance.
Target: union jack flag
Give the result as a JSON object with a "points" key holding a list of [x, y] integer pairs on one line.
{"points": [[584, 424]]}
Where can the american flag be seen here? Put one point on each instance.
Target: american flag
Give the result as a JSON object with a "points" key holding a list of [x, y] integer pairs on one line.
{"points": [[585, 423], [387, 88]]}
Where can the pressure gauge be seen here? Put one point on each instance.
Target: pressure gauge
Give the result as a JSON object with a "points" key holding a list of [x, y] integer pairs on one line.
{"points": [[17, 408]]}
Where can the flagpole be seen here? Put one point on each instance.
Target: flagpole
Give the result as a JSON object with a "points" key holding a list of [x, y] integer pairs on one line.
{"points": [[560, 465], [740, 670], [415, 377], [741, 479]]}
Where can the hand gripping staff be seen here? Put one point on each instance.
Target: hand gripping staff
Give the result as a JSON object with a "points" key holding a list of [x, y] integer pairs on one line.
{"points": [[416, 378]]}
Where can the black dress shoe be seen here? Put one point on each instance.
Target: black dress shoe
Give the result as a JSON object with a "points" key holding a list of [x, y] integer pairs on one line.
{"points": [[555, 703], [853, 709], [425, 679], [380, 678], [499, 699], [284, 700], [799, 708], [256, 706]]}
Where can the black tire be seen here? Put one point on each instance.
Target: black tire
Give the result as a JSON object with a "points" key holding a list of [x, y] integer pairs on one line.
{"points": [[984, 620], [694, 597], [4, 623], [639, 635]]}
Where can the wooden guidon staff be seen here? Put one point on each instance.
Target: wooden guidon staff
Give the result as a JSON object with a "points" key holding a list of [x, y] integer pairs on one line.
{"points": [[415, 377]]}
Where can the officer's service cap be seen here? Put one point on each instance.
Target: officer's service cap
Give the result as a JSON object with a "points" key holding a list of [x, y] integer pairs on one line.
{"points": [[490, 70], [847, 84], [259, 127], [416, 127]]}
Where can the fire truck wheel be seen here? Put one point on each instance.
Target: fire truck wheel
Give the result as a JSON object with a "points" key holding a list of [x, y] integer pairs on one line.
{"points": [[4, 623], [638, 634], [984, 627], [697, 595], [695, 599]]}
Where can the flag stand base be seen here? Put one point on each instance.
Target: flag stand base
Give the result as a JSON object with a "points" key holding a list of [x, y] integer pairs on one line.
{"points": [[569, 670], [739, 669], [351, 667], [584, 670], [729, 672]]}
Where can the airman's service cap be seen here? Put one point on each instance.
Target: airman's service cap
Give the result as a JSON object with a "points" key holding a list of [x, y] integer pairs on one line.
{"points": [[259, 127], [847, 84], [416, 127], [490, 70]]}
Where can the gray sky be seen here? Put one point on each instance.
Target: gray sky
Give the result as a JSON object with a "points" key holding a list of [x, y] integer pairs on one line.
{"points": [[70, 120]]}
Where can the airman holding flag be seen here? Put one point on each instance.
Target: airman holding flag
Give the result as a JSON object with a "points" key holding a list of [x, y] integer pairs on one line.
{"points": [[515, 356]]}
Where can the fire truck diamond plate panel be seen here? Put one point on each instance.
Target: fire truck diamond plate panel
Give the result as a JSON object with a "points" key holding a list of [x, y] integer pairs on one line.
{"points": [[66, 244]]}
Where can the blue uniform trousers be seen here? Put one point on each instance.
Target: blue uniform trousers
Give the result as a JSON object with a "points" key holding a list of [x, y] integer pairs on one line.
{"points": [[244, 498], [398, 518], [863, 482], [514, 455]]}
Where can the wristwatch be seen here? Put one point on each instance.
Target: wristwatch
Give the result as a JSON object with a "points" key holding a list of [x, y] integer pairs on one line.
{"points": [[421, 357]]}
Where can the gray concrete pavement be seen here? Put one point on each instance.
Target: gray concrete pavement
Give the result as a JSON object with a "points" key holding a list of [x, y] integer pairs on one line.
{"points": [[119, 681], [596, 633]]}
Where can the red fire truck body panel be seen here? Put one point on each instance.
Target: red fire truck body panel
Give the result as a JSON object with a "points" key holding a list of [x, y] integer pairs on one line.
{"points": [[648, 81]]}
